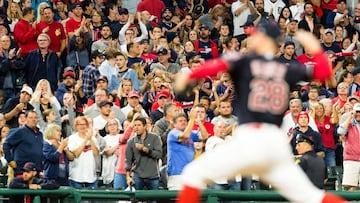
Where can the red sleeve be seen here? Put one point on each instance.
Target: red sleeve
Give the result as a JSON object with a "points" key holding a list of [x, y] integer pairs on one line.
{"points": [[140, 7], [210, 68], [127, 133], [63, 35], [22, 34], [322, 69]]}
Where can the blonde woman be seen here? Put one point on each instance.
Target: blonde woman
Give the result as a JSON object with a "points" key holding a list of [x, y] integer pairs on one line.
{"points": [[125, 87], [56, 155], [40, 12], [43, 89], [84, 146], [14, 14]]}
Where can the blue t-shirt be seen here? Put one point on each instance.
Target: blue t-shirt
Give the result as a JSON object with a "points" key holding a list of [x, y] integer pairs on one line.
{"points": [[180, 153]]}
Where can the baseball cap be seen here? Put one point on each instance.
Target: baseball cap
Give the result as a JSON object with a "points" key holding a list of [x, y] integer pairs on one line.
{"points": [[170, 36], [163, 93], [162, 50], [133, 94], [69, 73], [96, 53], [271, 29], [198, 9], [29, 166], [191, 55], [104, 103], [144, 41], [303, 138], [28, 90], [353, 97], [302, 113], [355, 71], [287, 43], [123, 11], [103, 78], [329, 31], [204, 27], [167, 9], [356, 107], [76, 5]]}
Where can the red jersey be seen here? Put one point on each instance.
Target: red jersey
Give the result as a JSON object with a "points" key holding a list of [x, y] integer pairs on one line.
{"points": [[154, 7], [208, 126], [326, 130], [341, 102], [56, 33], [72, 25], [25, 36]]}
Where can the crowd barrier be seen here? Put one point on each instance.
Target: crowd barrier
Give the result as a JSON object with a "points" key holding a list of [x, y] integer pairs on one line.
{"points": [[68, 194]]}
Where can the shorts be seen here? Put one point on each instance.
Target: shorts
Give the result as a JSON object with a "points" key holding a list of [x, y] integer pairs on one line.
{"points": [[351, 173]]}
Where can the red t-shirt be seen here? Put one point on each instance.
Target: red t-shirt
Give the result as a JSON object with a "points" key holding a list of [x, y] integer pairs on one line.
{"points": [[56, 33], [326, 130], [208, 126], [154, 7], [25, 36], [72, 25]]}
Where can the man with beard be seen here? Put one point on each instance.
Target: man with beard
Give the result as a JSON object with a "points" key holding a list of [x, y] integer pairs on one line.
{"points": [[292, 28], [54, 29], [69, 85], [330, 48], [105, 41], [14, 106], [205, 46], [105, 114], [166, 24], [74, 23], [260, 16], [309, 20]]}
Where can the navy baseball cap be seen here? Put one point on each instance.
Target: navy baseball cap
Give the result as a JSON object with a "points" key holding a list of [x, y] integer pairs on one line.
{"points": [[103, 78], [29, 166], [104, 103], [204, 27], [123, 11], [287, 43], [355, 71], [76, 5], [162, 50], [272, 30], [303, 138]]}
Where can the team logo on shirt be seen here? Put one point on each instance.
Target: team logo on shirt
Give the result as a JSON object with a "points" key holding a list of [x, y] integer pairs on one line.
{"points": [[58, 32]]}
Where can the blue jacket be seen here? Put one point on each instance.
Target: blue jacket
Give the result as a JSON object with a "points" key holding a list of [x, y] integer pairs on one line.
{"points": [[32, 67], [24, 145], [51, 162]]}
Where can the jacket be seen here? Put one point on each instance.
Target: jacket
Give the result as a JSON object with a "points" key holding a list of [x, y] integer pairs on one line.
{"points": [[11, 71], [53, 69], [24, 145], [144, 165], [51, 162], [314, 136]]}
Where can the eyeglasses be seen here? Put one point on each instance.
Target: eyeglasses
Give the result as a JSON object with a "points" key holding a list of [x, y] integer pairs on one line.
{"points": [[42, 40], [112, 124], [343, 87], [129, 33], [82, 124]]}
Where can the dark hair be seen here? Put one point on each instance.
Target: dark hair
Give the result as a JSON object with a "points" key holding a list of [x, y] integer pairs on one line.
{"points": [[314, 87], [48, 7], [28, 112], [27, 11], [129, 46], [206, 98], [141, 119]]}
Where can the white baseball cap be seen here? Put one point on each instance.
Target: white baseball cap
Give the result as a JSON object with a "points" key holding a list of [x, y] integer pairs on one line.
{"points": [[356, 107], [28, 90]]}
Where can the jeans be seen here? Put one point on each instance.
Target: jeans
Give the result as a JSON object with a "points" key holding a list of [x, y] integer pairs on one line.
{"points": [[329, 157], [148, 183], [79, 185], [120, 181]]}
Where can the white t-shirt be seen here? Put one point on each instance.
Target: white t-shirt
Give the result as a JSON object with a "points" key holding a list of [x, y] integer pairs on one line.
{"points": [[82, 168], [108, 162]]}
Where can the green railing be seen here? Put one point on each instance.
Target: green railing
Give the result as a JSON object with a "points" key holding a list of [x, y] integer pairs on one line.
{"points": [[67, 194]]}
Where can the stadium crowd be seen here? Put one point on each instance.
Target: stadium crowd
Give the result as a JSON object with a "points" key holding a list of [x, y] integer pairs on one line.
{"points": [[86, 87]]}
